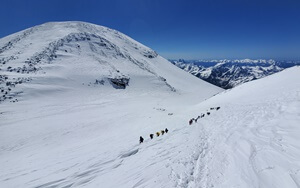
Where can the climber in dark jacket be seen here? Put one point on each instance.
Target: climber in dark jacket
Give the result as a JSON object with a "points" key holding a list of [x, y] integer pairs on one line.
{"points": [[166, 130], [151, 136], [141, 139]]}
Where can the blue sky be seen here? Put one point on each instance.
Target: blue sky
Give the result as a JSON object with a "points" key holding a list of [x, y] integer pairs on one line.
{"points": [[203, 29]]}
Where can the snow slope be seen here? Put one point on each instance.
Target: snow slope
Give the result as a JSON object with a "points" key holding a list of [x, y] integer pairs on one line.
{"points": [[253, 141], [64, 120]]}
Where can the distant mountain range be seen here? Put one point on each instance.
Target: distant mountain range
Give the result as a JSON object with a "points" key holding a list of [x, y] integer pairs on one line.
{"points": [[230, 73]]}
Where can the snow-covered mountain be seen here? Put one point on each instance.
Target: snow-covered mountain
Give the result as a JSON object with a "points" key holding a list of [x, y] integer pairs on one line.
{"points": [[230, 73], [76, 95], [63, 56], [87, 93]]}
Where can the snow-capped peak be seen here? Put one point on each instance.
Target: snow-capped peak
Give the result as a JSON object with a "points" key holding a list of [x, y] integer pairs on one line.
{"points": [[83, 54]]}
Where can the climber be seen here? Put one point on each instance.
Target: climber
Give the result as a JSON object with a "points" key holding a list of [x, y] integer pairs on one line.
{"points": [[166, 130], [141, 139], [151, 136]]}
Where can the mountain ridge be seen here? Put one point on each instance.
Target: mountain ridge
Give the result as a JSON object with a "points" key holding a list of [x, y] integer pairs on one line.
{"points": [[230, 73]]}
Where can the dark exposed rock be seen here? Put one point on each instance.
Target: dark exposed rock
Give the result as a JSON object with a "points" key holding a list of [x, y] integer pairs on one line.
{"points": [[120, 82]]}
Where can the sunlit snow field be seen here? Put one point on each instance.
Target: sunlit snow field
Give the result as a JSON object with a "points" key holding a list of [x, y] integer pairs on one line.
{"points": [[66, 131]]}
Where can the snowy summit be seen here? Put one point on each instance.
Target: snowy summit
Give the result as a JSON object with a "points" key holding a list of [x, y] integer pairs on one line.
{"points": [[76, 97]]}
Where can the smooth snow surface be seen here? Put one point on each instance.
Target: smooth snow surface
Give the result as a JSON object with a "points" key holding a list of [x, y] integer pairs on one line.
{"points": [[66, 131]]}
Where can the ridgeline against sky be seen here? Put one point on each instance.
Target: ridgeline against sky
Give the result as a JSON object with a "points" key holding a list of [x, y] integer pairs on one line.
{"points": [[203, 29]]}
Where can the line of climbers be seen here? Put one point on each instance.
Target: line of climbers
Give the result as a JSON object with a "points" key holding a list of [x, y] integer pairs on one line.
{"points": [[162, 132], [202, 115]]}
